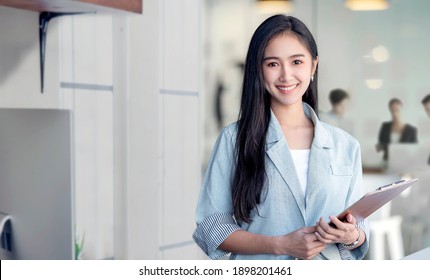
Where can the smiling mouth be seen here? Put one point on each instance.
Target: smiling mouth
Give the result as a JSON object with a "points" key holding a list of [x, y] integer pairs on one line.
{"points": [[287, 88]]}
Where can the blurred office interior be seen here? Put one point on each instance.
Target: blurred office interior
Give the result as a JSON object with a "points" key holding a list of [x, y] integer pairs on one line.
{"points": [[150, 92]]}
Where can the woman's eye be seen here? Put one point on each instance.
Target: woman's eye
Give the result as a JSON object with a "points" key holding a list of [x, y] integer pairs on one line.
{"points": [[297, 62], [272, 64]]}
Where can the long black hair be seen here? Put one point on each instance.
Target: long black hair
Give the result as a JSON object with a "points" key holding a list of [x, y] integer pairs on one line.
{"points": [[254, 116]]}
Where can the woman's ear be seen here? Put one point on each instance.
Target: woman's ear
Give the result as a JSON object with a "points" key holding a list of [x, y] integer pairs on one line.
{"points": [[314, 65]]}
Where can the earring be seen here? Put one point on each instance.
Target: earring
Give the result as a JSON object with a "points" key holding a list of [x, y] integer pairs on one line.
{"points": [[312, 78]]}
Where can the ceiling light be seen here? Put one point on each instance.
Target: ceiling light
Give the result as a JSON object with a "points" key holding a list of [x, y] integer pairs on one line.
{"points": [[374, 83], [274, 6], [380, 54], [367, 5]]}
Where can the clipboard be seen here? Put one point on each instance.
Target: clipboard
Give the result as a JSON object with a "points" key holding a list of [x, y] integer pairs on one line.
{"points": [[374, 200]]}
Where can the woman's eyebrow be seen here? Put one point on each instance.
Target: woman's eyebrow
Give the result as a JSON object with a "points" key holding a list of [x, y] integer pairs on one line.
{"points": [[291, 56], [297, 55], [271, 57]]}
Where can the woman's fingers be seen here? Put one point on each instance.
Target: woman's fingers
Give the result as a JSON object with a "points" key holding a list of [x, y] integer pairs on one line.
{"points": [[310, 254], [326, 235], [308, 229], [351, 219], [324, 228], [317, 250], [322, 239], [338, 223], [303, 243], [329, 234]]}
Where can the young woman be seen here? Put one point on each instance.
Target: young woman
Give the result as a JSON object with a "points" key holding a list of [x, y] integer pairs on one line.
{"points": [[396, 130], [277, 175]]}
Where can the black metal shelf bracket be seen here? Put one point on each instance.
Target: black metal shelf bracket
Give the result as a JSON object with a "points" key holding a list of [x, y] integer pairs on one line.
{"points": [[44, 19]]}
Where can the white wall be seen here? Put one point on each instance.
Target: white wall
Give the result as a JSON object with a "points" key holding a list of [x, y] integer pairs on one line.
{"points": [[86, 81], [162, 95], [19, 61]]}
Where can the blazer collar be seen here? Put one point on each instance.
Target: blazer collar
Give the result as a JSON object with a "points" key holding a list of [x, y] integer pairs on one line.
{"points": [[321, 138]]}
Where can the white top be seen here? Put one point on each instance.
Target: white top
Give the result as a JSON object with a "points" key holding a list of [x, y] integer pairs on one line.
{"points": [[395, 137], [301, 161]]}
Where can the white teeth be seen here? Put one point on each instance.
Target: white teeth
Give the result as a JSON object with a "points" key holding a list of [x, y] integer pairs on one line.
{"points": [[287, 88]]}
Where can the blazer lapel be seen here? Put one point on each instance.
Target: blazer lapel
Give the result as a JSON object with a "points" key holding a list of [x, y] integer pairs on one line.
{"points": [[319, 166], [279, 154]]}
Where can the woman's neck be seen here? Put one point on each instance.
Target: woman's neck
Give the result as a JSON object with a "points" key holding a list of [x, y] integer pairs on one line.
{"points": [[397, 121], [398, 125], [290, 115], [297, 128]]}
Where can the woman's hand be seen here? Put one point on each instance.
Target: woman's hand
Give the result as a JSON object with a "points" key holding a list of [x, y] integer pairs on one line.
{"points": [[302, 244], [345, 232]]}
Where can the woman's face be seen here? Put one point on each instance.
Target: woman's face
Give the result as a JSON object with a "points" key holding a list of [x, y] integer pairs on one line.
{"points": [[427, 108], [287, 69], [341, 108], [395, 110]]}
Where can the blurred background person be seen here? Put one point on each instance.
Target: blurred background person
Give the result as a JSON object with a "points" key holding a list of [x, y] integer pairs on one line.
{"points": [[426, 104], [395, 131], [337, 116]]}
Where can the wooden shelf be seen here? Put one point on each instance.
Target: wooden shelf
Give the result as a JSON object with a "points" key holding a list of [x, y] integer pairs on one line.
{"points": [[70, 6]]}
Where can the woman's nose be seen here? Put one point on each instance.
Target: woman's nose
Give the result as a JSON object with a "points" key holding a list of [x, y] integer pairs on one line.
{"points": [[284, 74]]}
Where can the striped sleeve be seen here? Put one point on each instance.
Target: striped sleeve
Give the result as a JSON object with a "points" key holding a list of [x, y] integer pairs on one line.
{"points": [[214, 212], [212, 231]]}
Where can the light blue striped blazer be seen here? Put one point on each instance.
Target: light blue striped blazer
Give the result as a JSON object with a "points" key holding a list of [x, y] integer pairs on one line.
{"points": [[334, 182]]}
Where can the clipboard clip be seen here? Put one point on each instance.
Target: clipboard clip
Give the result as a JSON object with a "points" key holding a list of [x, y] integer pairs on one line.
{"points": [[390, 185]]}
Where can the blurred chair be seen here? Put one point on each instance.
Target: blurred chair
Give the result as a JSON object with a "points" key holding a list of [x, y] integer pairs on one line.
{"points": [[411, 160], [390, 227]]}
